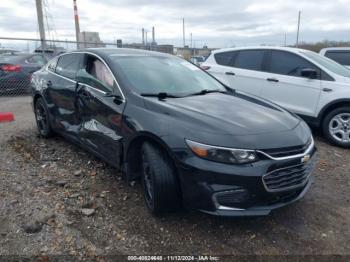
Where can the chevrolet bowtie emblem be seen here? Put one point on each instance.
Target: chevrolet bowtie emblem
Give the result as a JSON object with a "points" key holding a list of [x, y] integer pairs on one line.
{"points": [[305, 159]]}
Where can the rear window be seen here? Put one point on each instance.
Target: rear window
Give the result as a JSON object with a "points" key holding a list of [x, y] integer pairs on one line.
{"points": [[68, 65], [225, 58], [250, 59], [11, 59], [341, 57]]}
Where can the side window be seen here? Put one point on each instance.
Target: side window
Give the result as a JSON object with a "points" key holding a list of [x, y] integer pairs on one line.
{"points": [[341, 57], [286, 63], [68, 65], [225, 58], [99, 70], [37, 59], [250, 59], [52, 65]]}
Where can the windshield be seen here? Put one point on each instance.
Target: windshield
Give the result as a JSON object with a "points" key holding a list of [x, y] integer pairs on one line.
{"points": [[329, 64], [163, 74]]}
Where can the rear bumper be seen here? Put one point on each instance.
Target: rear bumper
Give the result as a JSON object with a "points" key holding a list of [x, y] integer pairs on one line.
{"points": [[227, 190]]}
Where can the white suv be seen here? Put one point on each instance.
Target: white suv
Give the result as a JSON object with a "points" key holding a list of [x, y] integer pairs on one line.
{"points": [[304, 82], [340, 55]]}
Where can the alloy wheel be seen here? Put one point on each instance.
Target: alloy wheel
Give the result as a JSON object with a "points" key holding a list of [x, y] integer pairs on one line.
{"points": [[339, 127]]}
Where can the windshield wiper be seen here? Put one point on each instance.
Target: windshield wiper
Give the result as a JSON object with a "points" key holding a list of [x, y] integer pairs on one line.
{"points": [[161, 95], [207, 91]]}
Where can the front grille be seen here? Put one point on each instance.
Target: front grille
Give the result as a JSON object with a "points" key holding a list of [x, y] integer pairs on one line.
{"points": [[287, 151], [288, 178]]}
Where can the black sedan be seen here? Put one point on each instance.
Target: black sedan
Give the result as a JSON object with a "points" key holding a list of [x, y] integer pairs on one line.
{"points": [[193, 141], [16, 70]]}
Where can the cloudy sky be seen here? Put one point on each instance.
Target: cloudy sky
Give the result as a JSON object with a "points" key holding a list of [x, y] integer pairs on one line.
{"points": [[219, 23]]}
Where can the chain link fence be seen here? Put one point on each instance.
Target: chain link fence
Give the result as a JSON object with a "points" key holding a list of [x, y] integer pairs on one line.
{"points": [[21, 57]]}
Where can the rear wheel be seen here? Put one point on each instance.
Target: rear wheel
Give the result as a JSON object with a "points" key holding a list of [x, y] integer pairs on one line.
{"points": [[161, 189], [336, 126], [42, 118]]}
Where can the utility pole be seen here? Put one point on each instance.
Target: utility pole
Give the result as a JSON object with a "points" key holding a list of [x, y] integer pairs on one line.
{"points": [[297, 43], [39, 11], [76, 18], [285, 39], [183, 31], [191, 40]]}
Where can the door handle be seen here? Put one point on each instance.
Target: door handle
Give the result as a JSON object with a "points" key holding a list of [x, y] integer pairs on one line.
{"points": [[85, 94], [230, 73], [272, 80], [81, 91], [327, 89], [49, 83]]}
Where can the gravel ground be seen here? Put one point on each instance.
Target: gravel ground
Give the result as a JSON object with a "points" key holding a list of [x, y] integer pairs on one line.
{"points": [[56, 199]]}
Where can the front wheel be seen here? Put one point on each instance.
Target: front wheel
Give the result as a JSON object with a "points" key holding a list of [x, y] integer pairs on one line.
{"points": [[336, 127], [159, 180], [42, 118]]}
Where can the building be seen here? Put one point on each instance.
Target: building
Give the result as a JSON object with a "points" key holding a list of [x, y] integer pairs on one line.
{"points": [[186, 52], [90, 39]]}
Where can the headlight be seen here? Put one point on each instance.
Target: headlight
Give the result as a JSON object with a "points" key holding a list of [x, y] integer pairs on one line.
{"points": [[222, 154]]}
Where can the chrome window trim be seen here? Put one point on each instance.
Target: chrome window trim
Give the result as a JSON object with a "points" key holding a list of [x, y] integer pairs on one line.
{"points": [[73, 81], [97, 56], [307, 151]]}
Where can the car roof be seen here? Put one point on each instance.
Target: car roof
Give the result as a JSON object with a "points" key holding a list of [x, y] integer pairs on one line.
{"points": [[107, 52], [290, 49], [334, 48]]}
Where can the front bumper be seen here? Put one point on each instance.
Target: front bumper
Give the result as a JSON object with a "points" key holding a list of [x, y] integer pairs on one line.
{"points": [[239, 190], [261, 210]]}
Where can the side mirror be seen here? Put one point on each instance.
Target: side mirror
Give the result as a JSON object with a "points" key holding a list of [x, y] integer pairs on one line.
{"points": [[84, 77], [309, 73]]}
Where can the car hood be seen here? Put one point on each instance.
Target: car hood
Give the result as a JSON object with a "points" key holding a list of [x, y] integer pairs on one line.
{"points": [[225, 114]]}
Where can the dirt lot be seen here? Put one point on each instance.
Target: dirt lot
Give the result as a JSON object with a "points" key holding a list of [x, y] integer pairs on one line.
{"points": [[57, 199]]}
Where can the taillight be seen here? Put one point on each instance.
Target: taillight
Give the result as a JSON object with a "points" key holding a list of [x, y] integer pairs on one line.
{"points": [[205, 67], [11, 68]]}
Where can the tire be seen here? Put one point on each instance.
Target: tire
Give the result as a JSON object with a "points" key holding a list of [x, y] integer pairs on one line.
{"points": [[161, 188], [42, 118], [336, 127]]}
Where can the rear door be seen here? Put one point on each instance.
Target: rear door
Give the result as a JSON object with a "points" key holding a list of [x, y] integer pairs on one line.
{"points": [[100, 112], [61, 88], [285, 86], [247, 71], [220, 65]]}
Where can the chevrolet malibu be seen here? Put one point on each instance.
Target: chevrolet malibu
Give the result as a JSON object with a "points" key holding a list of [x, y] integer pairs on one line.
{"points": [[193, 141]]}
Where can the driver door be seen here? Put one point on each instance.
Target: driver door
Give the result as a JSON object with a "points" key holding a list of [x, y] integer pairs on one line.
{"points": [[100, 113]]}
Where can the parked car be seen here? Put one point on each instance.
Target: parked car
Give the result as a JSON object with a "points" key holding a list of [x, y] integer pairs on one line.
{"points": [[308, 84], [191, 139], [16, 70], [340, 55], [8, 51], [197, 60]]}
